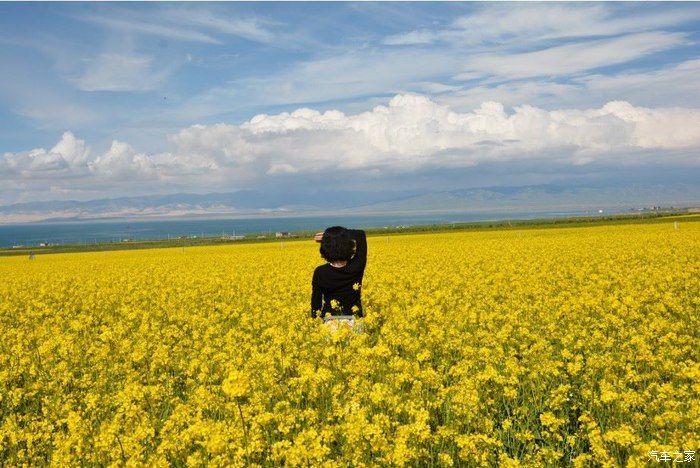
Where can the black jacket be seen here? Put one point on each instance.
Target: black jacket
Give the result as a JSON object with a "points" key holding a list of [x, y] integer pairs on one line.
{"points": [[341, 287]]}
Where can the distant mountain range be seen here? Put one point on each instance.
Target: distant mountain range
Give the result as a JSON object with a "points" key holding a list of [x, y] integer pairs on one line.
{"points": [[253, 203], [543, 197]]}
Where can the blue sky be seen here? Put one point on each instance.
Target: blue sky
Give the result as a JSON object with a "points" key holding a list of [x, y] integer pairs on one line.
{"points": [[107, 99]]}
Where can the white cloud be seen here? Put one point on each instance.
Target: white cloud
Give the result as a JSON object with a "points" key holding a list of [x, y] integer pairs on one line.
{"points": [[652, 87], [412, 38], [120, 72], [339, 77], [434, 88], [128, 24], [66, 158], [250, 28], [527, 23], [674, 84], [573, 58], [185, 24], [220, 145], [411, 133], [122, 162], [282, 169], [543, 92], [74, 151], [508, 44]]}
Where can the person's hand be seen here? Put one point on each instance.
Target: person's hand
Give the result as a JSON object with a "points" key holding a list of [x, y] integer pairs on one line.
{"points": [[318, 236]]}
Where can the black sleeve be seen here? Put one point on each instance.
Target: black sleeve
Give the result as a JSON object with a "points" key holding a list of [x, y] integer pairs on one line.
{"points": [[316, 298], [359, 260]]}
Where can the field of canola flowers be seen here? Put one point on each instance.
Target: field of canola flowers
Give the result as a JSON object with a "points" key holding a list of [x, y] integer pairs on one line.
{"points": [[575, 346]]}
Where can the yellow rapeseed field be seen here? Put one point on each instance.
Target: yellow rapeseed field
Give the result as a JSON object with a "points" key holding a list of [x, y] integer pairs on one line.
{"points": [[517, 347]]}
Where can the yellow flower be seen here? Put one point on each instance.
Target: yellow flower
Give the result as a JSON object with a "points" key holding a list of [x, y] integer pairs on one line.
{"points": [[236, 385], [550, 421]]}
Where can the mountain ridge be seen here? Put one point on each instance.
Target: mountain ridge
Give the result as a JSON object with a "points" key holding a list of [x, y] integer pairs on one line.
{"points": [[255, 203]]}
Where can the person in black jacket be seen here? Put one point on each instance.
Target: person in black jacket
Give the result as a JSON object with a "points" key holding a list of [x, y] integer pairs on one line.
{"points": [[337, 285]]}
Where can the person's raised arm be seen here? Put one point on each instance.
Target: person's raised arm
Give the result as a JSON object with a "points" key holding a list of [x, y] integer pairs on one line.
{"points": [[359, 260]]}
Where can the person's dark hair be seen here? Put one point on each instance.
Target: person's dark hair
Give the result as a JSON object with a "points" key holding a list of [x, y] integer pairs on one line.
{"points": [[336, 244]]}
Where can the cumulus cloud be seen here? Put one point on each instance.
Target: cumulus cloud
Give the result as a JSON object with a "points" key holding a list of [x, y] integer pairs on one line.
{"points": [[410, 133], [121, 161], [413, 130], [68, 155], [74, 151]]}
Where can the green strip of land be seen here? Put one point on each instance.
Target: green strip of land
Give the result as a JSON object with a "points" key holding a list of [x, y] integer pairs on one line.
{"points": [[574, 221]]}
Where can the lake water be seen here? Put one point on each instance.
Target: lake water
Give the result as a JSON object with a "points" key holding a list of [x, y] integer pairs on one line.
{"points": [[31, 234]]}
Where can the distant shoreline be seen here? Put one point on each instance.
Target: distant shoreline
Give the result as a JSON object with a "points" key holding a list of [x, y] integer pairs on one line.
{"points": [[284, 214], [299, 214], [505, 224]]}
